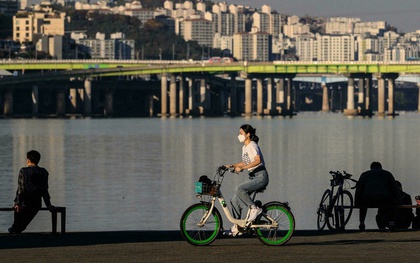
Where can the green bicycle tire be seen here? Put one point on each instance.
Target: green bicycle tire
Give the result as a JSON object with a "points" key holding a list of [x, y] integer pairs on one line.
{"points": [[286, 224], [200, 235]]}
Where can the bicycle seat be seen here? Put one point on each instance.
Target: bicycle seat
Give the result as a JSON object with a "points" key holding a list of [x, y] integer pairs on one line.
{"points": [[261, 190]]}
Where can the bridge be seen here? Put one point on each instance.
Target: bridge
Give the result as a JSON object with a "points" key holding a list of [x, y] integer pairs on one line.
{"points": [[273, 81]]}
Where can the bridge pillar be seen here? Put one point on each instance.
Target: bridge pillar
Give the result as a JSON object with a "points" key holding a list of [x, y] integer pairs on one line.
{"points": [[391, 90], [204, 100], [172, 96], [73, 100], [191, 96], [8, 104], [164, 96], [61, 102], [361, 95], [280, 95], [350, 110], [368, 95], [109, 103], [182, 95], [271, 98], [248, 96], [233, 96], [381, 94], [87, 97], [151, 105], [35, 100], [289, 95], [260, 95], [325, 106]]}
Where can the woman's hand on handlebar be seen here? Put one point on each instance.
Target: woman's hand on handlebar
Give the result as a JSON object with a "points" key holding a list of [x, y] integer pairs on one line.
{"points": [[232, 168]]}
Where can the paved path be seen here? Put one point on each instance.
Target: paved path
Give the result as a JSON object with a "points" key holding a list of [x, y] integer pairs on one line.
{"points": [[168, 246]]}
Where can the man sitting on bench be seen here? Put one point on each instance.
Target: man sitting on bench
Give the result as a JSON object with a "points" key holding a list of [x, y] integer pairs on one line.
{"points": [[32, 188], [376, 188]]}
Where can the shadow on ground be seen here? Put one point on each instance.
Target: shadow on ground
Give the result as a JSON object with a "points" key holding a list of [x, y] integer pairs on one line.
{"points": [[34, 240]]}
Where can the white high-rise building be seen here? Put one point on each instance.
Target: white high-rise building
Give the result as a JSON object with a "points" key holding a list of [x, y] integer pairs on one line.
{"points": [[340, 25], [200, 30], [252, 46], [326, 48]]}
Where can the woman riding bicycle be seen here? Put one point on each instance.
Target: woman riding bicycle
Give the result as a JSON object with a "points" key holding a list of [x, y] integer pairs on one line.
{"points": [[253, 161]]}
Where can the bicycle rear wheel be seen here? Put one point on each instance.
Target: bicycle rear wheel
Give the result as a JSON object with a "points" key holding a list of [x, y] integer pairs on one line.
{"points": [[282, 215], [193, 232], [322, 210], [340, 212]]}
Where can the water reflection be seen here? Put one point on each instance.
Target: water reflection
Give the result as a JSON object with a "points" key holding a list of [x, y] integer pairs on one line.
{"points": [[139, 174]]}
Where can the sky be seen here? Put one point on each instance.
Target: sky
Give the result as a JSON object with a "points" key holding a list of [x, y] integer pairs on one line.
{"points": [[402, 14]]}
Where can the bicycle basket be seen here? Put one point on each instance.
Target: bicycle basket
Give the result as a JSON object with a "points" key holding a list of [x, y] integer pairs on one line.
{"points": [[205, 186]]}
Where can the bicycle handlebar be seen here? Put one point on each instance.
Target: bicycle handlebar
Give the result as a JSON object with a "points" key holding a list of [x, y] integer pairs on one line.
{"points": [[222, 170], [337, 175]]}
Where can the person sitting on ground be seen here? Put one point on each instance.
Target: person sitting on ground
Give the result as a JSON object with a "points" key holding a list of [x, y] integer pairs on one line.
{"points": [[377, 187], [403, 216]]}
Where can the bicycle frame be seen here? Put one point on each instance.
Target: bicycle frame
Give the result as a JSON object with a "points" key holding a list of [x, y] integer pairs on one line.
{"points": [[240, 222], [340, 187], [334, 204]]}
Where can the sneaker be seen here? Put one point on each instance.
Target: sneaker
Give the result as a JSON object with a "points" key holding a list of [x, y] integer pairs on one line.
{"points": [[11, 230], [362, 227], [254, 212], [233, 232]]}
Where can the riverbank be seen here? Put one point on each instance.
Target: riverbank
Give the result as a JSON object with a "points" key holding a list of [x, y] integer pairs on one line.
{"points": [[168, 246]]}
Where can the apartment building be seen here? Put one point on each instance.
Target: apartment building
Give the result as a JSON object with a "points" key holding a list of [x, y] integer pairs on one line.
{"points": [[367, 48], [117, 47], [261, 22], [293, 28], [374, 28], [326, 48], [254, 46], [242, 49], [27, 24], [239, 18], [200, 30], [274, 21], [340, 25], [142, 14]]}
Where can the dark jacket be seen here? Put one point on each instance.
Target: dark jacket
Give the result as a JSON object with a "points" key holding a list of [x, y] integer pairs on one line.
{"points": [[377, 185], [32, 186]]}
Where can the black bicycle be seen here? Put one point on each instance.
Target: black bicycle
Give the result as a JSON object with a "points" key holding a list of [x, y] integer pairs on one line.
{"points": [[336, 204]]}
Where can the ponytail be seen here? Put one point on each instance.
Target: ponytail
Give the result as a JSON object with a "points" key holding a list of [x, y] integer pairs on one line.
{"points": [[249, 129]]}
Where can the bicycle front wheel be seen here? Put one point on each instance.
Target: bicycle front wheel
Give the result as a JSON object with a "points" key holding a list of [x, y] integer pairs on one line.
{"points": [[200, 234], [340, 211], [322, 210], [283, 217]]}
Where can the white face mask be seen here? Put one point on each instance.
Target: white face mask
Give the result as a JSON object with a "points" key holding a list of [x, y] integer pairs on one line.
{"points": [[241, 138]]}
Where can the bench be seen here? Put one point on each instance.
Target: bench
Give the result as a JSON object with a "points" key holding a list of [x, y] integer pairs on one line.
{"points": [[390, 206], [58, 209]]}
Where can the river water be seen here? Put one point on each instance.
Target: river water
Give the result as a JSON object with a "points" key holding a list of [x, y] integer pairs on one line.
{"points": [[139, 174]]}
